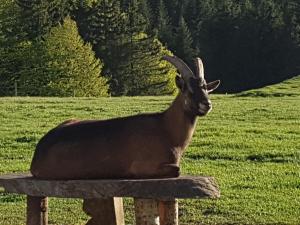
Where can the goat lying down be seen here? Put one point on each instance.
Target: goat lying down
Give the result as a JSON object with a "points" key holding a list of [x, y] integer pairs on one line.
{"points": [[140, 146]]}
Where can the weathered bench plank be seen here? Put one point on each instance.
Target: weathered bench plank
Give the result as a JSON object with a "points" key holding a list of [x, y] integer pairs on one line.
{"points": [[171, 188], [155, 200]]}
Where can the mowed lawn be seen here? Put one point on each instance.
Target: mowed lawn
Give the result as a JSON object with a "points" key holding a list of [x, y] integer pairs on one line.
{"points": [[250, 144]]}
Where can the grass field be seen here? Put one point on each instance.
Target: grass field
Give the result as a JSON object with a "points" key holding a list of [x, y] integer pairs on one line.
{"points": [[250, 143]]}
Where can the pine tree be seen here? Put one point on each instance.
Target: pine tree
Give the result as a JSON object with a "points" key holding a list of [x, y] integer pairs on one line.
{"points": [[105, 28], [129, 54], [184, 42], [291, 10], [63, 65], [195, 13], [147, 74], [11, 47], [192, 14], [165, 33], [144, 73], [40, 16], [146, 11], [11, 64], [174, 10]]}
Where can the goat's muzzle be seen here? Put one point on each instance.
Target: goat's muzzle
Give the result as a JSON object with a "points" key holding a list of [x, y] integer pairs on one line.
{"points": [[204, 108]]}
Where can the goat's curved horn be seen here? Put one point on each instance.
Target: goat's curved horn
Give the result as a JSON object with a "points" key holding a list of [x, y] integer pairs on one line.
{"points": [[200, 68], [183, 69]]}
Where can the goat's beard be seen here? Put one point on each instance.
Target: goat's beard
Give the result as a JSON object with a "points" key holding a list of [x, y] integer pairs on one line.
{"points": [[201, 113], [194, 111]]}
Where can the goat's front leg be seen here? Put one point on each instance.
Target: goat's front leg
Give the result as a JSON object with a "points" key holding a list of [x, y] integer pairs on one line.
{"points": [[169, 170]]}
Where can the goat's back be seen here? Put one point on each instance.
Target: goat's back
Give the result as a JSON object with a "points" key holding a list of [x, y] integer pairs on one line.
{"points": [[134, 146]]}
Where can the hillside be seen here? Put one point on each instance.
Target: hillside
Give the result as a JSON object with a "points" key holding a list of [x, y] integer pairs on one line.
{"points": [[250, 145], [290, 87]]}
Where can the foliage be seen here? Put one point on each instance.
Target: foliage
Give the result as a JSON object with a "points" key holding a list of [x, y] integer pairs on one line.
{"points": [[250, 145], [11, 23], [164, 27], [145, 10], [244, 43], [256, 48], [132, 58], [39, 16], [184, 42], [61, 65], [11, 46], [104, 26], [145, 73], [69, 67], [247, 44]]}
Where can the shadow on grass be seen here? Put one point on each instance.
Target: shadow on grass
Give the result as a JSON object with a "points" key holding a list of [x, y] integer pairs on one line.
{"points": [[261, 157], [11, 198]]}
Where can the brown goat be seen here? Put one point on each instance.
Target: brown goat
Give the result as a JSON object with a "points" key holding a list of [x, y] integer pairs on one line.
{"points": [[140, 146]]}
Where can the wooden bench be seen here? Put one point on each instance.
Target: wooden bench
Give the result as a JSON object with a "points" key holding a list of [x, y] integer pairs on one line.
{"points": [[155, 200]]}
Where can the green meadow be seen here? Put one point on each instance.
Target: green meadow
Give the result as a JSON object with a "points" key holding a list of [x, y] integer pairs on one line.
{"points": [[250, 143]]}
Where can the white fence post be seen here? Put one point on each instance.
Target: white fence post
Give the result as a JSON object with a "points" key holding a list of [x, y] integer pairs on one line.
{"points": [[16, 88]]}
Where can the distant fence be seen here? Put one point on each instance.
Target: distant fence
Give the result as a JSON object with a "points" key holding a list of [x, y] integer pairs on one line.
{"points": [[11, 89], [15, 89]]}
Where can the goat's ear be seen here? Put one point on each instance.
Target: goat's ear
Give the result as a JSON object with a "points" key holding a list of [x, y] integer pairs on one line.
{"points": [[213, 85], [179, 82]]}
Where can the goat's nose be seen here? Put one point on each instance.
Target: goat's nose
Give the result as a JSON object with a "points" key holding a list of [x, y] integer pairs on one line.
{"points": [[208, 103]]}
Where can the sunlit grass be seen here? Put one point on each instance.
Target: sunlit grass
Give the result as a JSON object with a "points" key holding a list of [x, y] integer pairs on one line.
{"points": [[249, 144]]}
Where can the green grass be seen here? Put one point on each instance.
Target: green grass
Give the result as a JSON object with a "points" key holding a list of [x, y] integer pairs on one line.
{"points": [[249, 144], [287, 88]]}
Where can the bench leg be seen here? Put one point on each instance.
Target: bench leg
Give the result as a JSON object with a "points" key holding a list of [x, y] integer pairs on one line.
{"points": [[37, 210], [104, 211], [168, 212], [146, 211]]}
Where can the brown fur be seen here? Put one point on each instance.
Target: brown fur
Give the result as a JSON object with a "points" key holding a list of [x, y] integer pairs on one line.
{"points": [[141, 146]]}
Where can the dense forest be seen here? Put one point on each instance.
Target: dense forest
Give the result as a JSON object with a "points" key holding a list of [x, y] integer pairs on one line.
{"points": [[114, 47]]}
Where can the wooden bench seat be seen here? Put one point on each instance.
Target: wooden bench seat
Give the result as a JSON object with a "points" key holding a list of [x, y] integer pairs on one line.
{"points": [[155, 200]]}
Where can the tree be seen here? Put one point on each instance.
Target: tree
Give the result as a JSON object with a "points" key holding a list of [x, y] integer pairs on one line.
{"points": [[63, 65], [147, 73], [184, 42], [40, 16], [146, 11], [105, 29], [165, 33], [143, 72], [11, 47], [230, 35], [249, 44], [195, 13], [131, 57]]}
